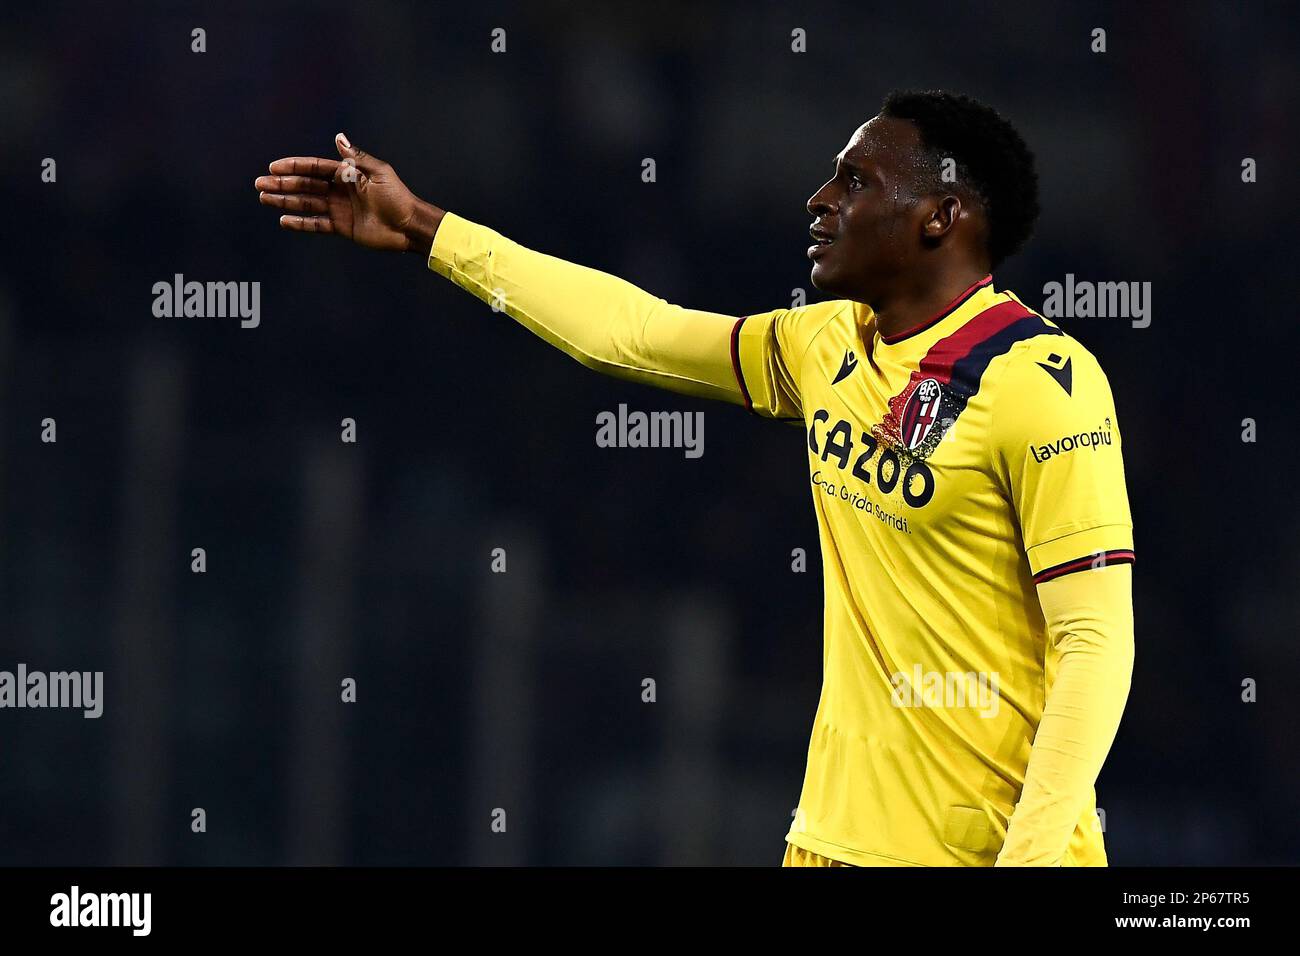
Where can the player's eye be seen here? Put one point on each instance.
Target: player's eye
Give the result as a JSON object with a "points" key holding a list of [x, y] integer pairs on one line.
{"points": [[855, 182]]}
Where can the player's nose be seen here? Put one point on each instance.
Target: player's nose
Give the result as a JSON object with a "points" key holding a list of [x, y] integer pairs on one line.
{"points": [[819, 204]]}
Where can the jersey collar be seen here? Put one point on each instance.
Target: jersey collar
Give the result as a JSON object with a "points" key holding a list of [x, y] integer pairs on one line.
{"points": [[942, 314]]}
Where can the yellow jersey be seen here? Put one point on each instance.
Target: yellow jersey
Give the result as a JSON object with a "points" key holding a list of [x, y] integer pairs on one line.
{"points": [[952, 468]]}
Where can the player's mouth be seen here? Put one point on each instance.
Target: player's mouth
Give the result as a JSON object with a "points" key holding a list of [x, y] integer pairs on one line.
{"points": [[821, 242]]}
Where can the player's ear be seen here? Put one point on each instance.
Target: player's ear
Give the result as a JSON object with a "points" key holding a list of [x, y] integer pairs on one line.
{"points": [[944, 213]]}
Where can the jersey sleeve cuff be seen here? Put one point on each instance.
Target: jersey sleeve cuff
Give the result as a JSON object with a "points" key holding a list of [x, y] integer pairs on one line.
{"points": [[1081, 551], [458, 244]]}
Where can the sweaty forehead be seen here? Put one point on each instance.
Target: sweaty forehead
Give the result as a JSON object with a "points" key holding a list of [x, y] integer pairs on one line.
{"points": [[893, 145]]}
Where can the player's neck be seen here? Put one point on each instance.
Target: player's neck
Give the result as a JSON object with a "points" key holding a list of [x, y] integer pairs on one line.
{"points": [[910, 307]]}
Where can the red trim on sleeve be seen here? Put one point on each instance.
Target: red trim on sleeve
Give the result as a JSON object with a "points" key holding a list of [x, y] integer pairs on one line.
{"points": [[735, 361], [1083, 564]]}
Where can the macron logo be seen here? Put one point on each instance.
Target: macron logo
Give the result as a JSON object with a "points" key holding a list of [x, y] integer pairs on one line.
{"points": [[846, 367], [1059, 369]]}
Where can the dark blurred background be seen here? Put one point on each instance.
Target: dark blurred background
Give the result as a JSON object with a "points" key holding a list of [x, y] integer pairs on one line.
{"points": [[372, 560]]}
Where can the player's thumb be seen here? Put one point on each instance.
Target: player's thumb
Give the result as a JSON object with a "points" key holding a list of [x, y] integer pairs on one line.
{"points": [[359, 157]]}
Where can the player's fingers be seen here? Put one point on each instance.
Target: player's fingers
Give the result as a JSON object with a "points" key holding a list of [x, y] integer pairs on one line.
{"points": [[294, 203], [291, 184], [305, 166], [306, 223]]}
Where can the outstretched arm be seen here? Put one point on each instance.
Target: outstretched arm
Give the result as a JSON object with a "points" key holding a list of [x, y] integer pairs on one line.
{"points": [[605, 323]]}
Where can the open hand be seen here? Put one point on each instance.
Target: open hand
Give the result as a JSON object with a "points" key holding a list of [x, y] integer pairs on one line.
{"points": [[357, 196]]}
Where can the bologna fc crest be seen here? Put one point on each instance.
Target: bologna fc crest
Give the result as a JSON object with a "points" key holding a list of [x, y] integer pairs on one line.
{"points": [[920, 413]]}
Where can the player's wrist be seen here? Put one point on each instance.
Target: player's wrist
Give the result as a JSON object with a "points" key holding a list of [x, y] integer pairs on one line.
{"points": [[421, 227]]}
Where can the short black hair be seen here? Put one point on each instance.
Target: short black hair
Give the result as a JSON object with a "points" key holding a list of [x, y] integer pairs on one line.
{"points": [[991, 157]]}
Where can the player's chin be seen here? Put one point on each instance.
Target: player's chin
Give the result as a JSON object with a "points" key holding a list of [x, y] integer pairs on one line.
{"points": [[823, 278]]}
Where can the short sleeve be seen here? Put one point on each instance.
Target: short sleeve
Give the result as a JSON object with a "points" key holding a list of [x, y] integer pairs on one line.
{"points": [[767, 352], [1058, 452]]}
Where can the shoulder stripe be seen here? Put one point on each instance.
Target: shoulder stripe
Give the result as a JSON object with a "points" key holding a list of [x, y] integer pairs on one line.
{"points": [[966, 371], [958, 362]]}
